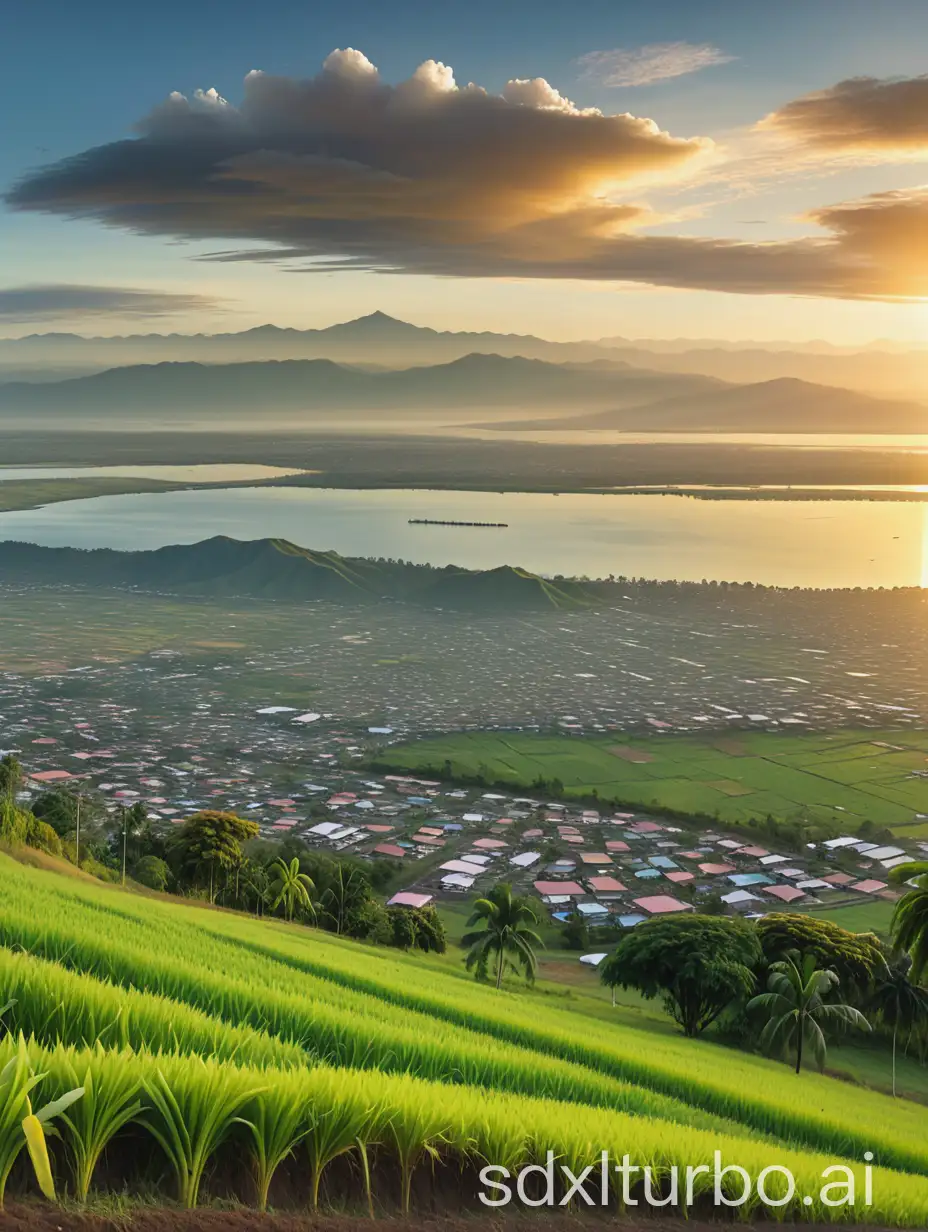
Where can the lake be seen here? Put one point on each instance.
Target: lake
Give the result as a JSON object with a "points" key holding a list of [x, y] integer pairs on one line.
{"points": [[784, 543]]}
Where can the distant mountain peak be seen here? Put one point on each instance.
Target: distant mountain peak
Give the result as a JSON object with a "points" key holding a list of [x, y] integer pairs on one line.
{"points": [[378, 324]]}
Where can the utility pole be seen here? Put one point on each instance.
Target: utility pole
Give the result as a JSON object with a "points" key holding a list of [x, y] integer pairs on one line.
{"points": [[125, 839], [77, 838]]}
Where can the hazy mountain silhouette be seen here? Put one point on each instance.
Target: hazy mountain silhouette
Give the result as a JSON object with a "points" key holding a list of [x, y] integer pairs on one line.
{"points": [[886, 373], [377, 339], [383, 342], [303, 385], [784, 405]]}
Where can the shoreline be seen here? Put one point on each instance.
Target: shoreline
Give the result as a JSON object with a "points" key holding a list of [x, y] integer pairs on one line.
{"points": [[18, 495]]}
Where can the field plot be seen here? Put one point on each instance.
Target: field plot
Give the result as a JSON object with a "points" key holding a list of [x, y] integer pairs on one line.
{"points": [[841, 778]]}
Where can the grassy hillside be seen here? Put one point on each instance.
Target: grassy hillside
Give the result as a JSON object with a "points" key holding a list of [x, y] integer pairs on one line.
{"points": [[400, 1069], [841, 778], [280, 570]]}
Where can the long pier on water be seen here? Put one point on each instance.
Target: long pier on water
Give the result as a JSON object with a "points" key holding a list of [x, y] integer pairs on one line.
{"points": [[439, 522]]}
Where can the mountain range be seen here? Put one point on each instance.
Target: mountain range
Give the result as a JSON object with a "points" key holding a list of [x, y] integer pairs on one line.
{"points": [[783, 405], [279, 570], [601, 394], [300, 386], [383, 341]]}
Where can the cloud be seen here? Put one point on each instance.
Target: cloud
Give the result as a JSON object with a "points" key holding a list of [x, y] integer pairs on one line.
{"points": [[863, 115], [345, 163], [884, 232], [641, 66], [345, 171], [47, 302], [872, 249]]}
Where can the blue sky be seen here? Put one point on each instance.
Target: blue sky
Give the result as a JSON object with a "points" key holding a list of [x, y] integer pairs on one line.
{"points": [[81, 76]]}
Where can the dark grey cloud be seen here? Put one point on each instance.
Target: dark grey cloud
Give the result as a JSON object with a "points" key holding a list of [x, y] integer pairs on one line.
{"points": [[863, 115], [48, 302]]}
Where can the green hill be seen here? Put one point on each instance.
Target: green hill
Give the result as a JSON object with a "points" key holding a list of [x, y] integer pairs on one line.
{"points": [[503, 589], [398, 1071], [278, 569]]}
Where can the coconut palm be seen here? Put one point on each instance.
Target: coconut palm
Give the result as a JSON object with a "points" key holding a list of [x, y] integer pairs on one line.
{"points": [[910, 919], [290, 887], [797, 1010], [899, 1002], [505, 934]]}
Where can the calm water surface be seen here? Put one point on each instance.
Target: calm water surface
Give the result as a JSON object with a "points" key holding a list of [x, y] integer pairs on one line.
{"points": [[784, 543]]}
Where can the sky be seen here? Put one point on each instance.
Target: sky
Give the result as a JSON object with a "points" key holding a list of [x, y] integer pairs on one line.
{"points": [[701, 170]]}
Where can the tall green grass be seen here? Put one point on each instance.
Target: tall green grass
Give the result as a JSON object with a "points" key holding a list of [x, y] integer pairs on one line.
{"points": [[354, 1006], [230, 1001], [203, 1114], [53, 1003]]}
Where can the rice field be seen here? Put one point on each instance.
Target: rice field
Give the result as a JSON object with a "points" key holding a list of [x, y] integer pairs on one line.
{"points": [[839, 779], [202, 1038]]}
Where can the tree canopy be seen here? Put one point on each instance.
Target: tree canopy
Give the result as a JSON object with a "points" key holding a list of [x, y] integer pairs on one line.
{"points": [[11, 775], [699, 965], [210, 845], [856, 958], [418, 928]]}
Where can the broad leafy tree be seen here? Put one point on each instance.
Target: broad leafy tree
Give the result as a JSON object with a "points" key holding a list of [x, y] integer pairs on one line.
{"points": [[153, 872], [290, 889], [797, 1010], [209, 848], [910, 919], [505, 938], [418, 928], [11, 776], [856, 958], [699, 964]]}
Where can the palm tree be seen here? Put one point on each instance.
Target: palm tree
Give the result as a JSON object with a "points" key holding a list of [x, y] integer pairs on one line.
{"points": [[342, 895], [899, 1002], [910, 919], [505, 933], [797, 1009], [291, 887]]}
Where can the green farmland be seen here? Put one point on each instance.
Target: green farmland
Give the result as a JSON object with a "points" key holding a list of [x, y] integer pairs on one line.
{"points": [[278, 1065], [840, 779]]}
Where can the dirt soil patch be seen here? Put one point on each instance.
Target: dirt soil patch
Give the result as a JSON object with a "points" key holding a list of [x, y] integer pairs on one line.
{"points": [[40, 1217], [629, 754], [729, 787], [730, 745]]}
